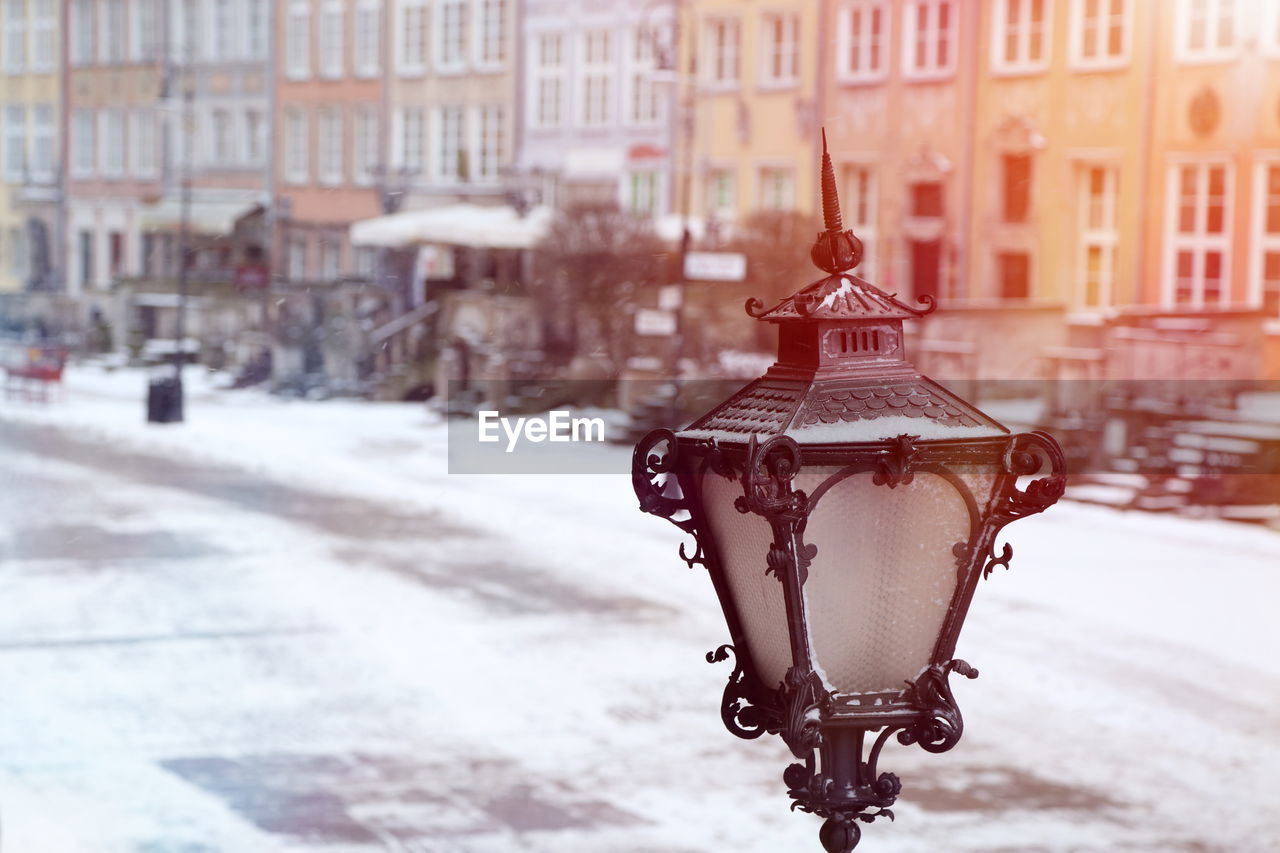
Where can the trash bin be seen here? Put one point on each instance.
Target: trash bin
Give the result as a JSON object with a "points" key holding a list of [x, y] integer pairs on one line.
{"points": [[164, 400]]}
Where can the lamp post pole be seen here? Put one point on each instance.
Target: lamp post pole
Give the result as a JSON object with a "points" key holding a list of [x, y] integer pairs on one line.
{"points": [[184, 252]]}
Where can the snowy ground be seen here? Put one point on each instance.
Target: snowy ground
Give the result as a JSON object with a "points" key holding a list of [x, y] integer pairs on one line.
{"points": [[283, 626]]}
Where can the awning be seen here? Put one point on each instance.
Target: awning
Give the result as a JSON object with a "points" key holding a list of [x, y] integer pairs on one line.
{"points": [[492, 227], [205, 217]]}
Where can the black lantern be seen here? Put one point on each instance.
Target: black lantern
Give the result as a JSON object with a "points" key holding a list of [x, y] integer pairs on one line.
{"points": [[845, 507]]}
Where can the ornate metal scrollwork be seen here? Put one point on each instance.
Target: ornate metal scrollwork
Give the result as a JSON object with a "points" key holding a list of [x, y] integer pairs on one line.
{"points": [[805, 697], [942, 724], [766, 481], [895, 465], [1020, 460], [740, 717], [651, 475]]}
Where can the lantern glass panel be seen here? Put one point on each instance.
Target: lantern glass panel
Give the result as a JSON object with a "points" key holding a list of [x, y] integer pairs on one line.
{"points": [[742, 541]]}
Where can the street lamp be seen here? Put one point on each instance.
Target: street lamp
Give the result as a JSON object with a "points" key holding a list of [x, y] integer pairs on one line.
{"points": [[845, 507]]}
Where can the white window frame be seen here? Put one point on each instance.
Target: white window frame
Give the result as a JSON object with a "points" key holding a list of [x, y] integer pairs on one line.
{"points": [[112, 164], [1102, 60], [761, 186], [15, 143], [1105, 237], [145, 159], [223, 18], [15, 36], [727, 212], [785, 50], [540, 73], [1261, 241], [84, 145], [43, 161], [112, 44], [330, 150], [331, 35], [411, 123], [254, 133], [644, 185], [602, 72], [451, 56], [221, 159], [367, 39], [490, 144], [483, 37], [932, 69], [143, 33], [1183, 51], [297, 146], [444, 117], [1022, 62], [297, 40], [45, 36], [408, 65], [863, 11], [862, 211], [642, 101], [365, 144], [721, 75], [1200, 242], [256, 30], [82, 43]]}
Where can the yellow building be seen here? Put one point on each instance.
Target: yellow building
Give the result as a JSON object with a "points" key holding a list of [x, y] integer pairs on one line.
{"points": [[30, 134], [751, 108]]}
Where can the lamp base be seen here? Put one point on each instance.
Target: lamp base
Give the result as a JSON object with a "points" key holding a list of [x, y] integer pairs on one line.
{"points": [[839, 836]]}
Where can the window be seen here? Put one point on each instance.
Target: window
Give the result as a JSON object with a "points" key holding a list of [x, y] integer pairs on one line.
{"points": [[297, 258], [297, 34], [368, 38], [297, 143], [330, 260], [929, 38], [412, 140], [144, 30], [722, 193], [82, 32], [780, 50], [1199, 212], [777, 188], [491, 47], [83, 147], [645, 106], [412, 43], [1014, 269], [255, 30], [643, 195], [86, 258], [221, 145], [926, 200], [1265, 275], [451, 32], [144, 144], [723, 37], [452, 147], [254, 137], [193, 31], [862, 39], [366, 155], [331, 41], [224, 26], [44, 36], [1016, 171], [115, 253], [15, 36], [15, 144], [548, 74], [111, 35], [492, 136], [1100, 33], [330, 128], [597, 77], [860, 209], [366, 261], [1020, 42], [43, 143], [112, 142], [17, 253], [1207, 30], [1098, 236]]}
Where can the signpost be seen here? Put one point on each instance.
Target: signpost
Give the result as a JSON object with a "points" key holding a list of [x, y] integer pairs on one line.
{"points": [[715, 266]]}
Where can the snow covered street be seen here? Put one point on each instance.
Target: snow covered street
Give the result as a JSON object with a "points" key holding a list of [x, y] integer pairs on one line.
{"points": [[283, 626]]}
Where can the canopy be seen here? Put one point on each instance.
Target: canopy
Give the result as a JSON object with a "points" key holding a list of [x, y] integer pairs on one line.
{"points": [[490, 227], [205, 217]]}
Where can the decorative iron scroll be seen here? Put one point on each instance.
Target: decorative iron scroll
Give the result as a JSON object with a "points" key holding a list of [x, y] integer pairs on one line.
{"points": [[766, 481], [1020, 460], [805, 698], [942, 725], [651, 475], [895, 465], [740, 716]]}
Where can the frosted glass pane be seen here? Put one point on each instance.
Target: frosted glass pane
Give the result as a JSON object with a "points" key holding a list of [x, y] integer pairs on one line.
{"points": [[883, 578], [743, 544]]}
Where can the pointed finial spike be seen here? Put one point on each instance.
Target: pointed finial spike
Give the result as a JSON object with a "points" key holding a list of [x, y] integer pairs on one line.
{"points": [[830, 199]]}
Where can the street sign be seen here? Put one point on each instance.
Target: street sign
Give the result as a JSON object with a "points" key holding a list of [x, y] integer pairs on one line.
{"points": [[652, 322], [715, 266], [252, 276]]}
